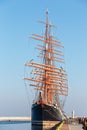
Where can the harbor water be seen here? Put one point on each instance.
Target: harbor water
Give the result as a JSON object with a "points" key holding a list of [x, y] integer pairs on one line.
{"points": [[15, 126]]}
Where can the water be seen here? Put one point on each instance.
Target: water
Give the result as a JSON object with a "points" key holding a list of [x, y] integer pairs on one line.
{"points": [[15, 126]]}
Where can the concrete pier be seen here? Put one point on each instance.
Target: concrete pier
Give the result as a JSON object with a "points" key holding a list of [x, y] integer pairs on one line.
{"points": [[75, 127], [70, 127], [15, 119]]}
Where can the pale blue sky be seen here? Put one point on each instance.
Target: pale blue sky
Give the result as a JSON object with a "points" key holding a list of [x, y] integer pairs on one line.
{"points": [[18, 19]]}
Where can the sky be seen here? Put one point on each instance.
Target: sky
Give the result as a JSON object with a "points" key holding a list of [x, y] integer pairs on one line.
{"points": [[18, 20]]}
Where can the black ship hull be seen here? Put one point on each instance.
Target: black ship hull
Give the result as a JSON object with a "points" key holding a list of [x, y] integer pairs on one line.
{"points": [[43, 112]]}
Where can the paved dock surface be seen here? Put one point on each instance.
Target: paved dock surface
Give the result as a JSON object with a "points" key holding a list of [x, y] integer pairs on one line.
{"points": [[59, 127], [75, 127], [64, 127], [70, 127]]}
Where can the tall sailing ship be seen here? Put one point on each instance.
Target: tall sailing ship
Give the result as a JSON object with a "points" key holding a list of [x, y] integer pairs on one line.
{"points": [[49, 78]]}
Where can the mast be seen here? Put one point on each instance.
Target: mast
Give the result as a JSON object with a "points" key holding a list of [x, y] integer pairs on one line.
{"points": [[47, 88], [49, 80]]}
